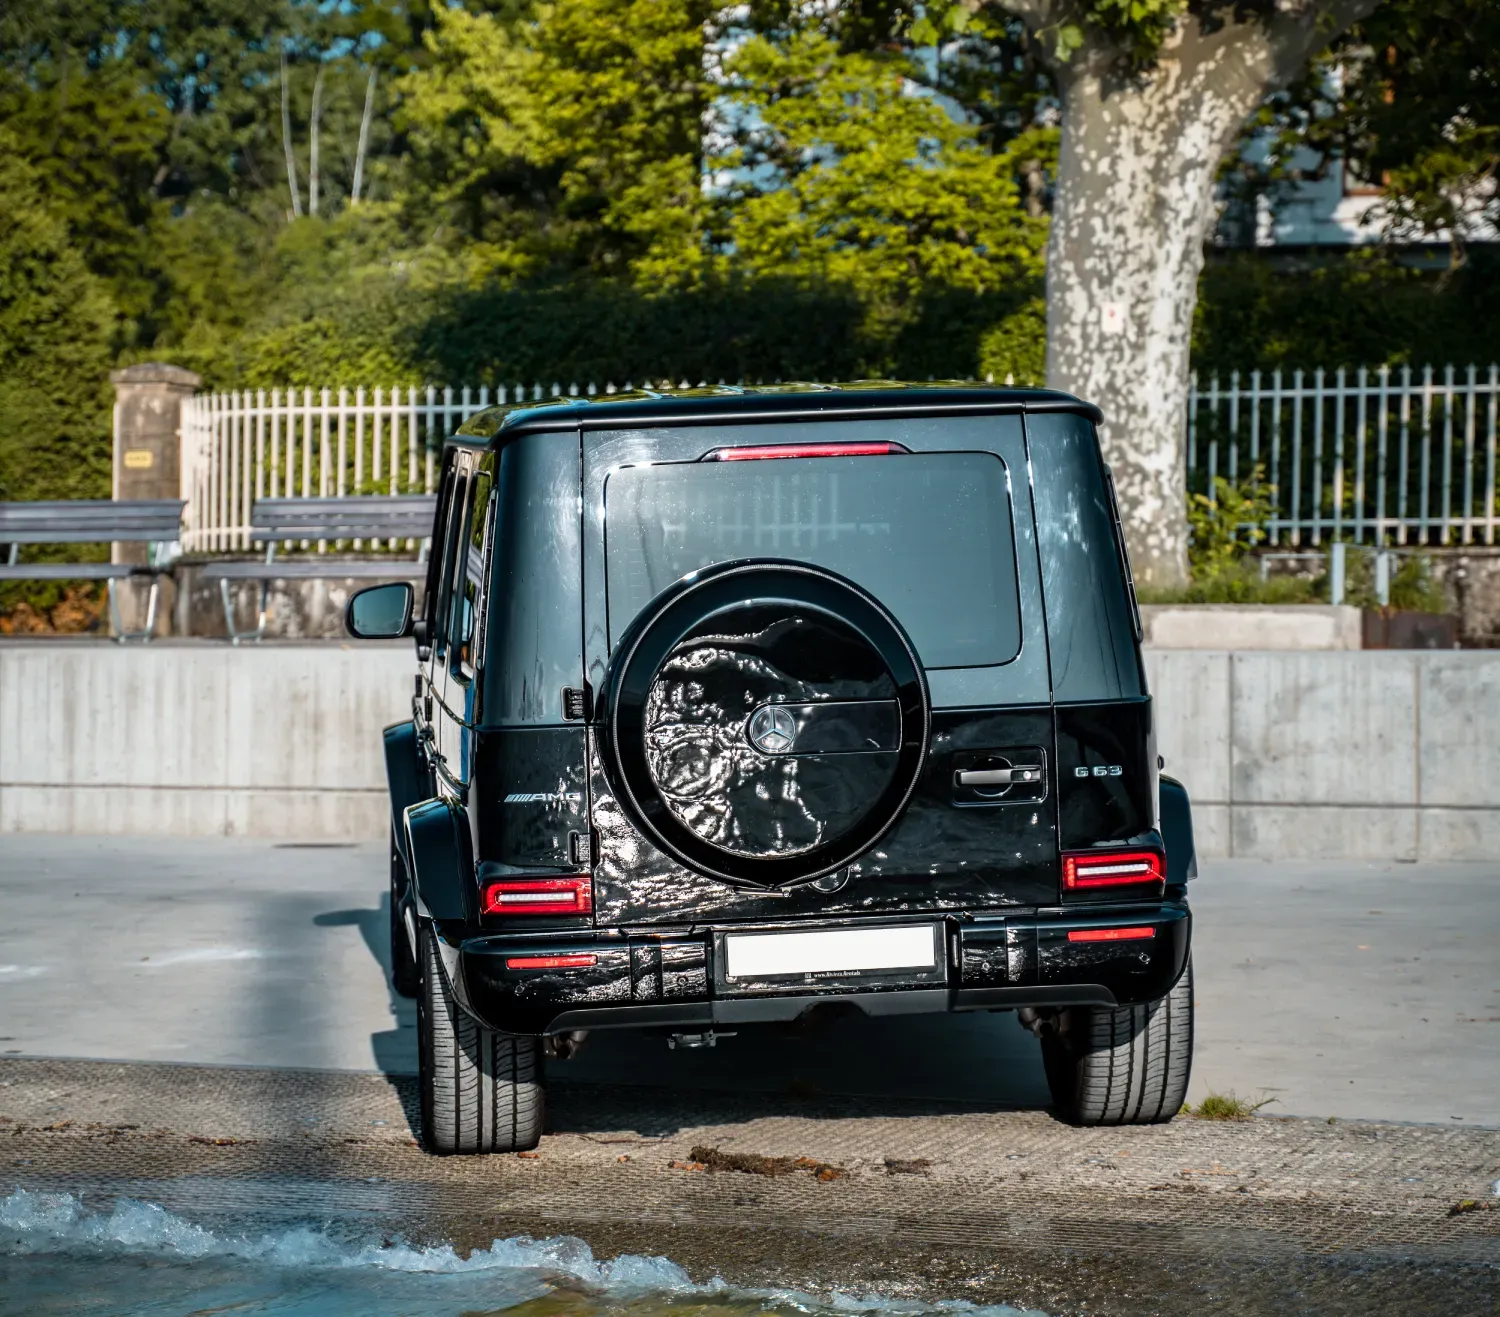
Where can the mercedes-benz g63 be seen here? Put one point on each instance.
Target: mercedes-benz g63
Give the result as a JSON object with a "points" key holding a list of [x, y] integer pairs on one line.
{"points": [[734, 704]]}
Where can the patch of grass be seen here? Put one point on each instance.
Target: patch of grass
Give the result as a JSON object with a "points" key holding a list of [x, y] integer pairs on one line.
{"points": [[1224, 1106], [1240, 583]]}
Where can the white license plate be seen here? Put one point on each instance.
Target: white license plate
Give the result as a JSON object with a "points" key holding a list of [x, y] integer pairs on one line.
{"points": [[830, 951]]}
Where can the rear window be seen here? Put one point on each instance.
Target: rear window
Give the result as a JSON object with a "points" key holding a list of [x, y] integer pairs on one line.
{"points": [[929, 535]]}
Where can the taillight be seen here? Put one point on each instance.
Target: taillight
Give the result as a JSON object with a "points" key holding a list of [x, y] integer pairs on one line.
{"points": [[551, 962], [1110, 934], [572, 894], [762, 451], [1096, 869]]}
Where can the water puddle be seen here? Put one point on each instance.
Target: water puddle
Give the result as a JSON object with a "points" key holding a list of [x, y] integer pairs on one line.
{"points": [[57, 1255]]}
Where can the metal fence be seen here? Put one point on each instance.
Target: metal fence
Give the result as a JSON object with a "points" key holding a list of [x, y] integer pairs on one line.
{"points": [[1370, 456]]}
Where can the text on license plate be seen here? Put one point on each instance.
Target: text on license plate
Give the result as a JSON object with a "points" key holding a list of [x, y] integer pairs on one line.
{"points": [[828, 951]]}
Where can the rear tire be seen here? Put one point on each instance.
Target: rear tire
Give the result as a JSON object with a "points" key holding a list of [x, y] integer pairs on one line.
{"points": [[1125, 1066], [406, 978], [481, 1090]]}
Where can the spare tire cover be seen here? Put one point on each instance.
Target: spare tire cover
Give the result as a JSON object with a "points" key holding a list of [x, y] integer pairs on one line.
{"points": [[766, 722]]}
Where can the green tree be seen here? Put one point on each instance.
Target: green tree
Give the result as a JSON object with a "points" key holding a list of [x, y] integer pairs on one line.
{"points": [[1153, 95], [54, 349], [133, 113], [659, 147], [1409, 99], [157, 131], [545, 128], [848, 174]]}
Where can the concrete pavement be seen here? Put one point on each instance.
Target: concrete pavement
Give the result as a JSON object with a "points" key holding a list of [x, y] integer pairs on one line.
{"points": [[1361, 991], [855, 1196]]}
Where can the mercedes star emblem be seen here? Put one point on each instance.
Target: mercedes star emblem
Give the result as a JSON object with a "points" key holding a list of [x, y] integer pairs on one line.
{"points": [[773, 730]]}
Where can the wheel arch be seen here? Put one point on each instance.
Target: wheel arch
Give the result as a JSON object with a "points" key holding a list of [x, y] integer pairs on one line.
{"points": [[1176, 813], [441, 866], [405, 776]]}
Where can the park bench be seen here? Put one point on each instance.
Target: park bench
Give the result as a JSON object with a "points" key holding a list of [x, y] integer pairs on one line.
{"points": [[156, 523], [304, 521]]}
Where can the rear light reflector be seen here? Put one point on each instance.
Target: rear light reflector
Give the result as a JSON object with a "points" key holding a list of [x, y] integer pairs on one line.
{"points": [[1113, 869], [570, 895], [762, 451], [550, 962], [1110, 934]]}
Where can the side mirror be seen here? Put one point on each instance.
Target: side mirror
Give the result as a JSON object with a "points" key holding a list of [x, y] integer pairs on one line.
{"points": [[380, 612]]}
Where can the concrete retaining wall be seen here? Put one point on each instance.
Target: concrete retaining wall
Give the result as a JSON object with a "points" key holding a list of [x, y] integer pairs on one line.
{"points": [[1377, 755], [198, 739], [1251, 626], [1367, 755]]}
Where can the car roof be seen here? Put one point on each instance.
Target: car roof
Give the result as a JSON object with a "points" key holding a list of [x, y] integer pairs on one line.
{"points": [[726, 404]]}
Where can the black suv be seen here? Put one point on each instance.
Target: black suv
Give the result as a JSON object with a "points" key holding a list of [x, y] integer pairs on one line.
{"points": [[737, 704]]}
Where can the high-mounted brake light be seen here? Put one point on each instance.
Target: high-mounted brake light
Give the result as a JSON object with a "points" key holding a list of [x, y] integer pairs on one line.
{"points": [[570, 895], [550, 962], [762, 451], [1113, 869], [1110, 934]]}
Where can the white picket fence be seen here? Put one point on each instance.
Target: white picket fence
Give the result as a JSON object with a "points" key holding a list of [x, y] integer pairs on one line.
{"points": [[1371, 456], [327, 443]]}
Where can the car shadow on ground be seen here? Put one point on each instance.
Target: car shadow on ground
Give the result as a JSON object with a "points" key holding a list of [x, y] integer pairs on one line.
{"points": [[394, 1049], [833, 1067]]}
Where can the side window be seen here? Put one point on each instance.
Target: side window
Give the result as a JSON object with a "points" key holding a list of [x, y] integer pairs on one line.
{"points": [[1091, 632], [453, 533], [444, 512], [467, 624]]}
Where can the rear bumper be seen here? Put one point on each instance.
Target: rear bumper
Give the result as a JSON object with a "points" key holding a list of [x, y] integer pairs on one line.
{"points": [[676, 981]]}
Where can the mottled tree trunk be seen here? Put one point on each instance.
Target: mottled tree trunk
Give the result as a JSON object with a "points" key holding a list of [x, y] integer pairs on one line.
{"points": [[1132, 211], [1134, 206]]}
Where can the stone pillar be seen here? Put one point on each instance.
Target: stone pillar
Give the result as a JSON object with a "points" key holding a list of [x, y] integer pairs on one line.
{"points": [[148, 459]]}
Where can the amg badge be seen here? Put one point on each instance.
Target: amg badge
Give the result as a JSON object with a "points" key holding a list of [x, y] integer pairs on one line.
{"points": [[562, 799]]}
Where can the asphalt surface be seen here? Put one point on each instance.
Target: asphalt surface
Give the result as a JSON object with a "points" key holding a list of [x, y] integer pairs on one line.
{"points": [[1357, 991]]}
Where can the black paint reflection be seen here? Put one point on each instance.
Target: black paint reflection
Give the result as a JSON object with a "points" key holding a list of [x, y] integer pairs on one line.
{"points": [[699, 753]]}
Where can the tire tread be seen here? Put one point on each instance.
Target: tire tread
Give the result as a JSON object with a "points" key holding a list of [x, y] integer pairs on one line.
{"points": [[482, 1090], [1125, 1066]]}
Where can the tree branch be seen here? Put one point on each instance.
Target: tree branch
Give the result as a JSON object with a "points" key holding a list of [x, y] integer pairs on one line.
{"points": [[312, 163], [1295, 31], [1297, 35], [286, 140], [1036, 14], [364, 139]]}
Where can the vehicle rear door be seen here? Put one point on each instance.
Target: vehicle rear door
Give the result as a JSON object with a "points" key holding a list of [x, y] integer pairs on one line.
{"points": [[979, 831]]}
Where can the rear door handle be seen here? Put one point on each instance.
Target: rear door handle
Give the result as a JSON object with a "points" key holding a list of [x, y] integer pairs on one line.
{"points": [[998, 777]]}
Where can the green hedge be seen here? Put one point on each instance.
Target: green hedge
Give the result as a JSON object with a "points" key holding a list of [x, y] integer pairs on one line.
{"points": [[1368, 307], [1351, 309]]}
